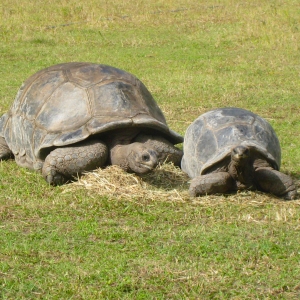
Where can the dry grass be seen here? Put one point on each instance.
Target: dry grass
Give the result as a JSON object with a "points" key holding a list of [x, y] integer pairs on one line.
{"points": [[166, 183]]}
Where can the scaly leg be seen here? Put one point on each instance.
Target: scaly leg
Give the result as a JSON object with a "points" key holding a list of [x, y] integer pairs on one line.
{"points": [[212, 183], [62, 164], [276, 183]]}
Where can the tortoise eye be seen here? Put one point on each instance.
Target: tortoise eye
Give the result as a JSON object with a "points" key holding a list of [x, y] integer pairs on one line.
{"points": [[145, 157]]}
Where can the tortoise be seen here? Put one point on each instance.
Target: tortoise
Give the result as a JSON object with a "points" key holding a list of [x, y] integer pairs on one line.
{"points": [[230, 149], [75, 117]]}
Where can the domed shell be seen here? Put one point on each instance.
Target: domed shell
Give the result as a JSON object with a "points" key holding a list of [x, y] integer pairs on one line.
{"points": [[210, 138], [67, 103]]}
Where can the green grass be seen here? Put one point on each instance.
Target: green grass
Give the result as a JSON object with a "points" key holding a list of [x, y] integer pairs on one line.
{"points": [[193, 56]]}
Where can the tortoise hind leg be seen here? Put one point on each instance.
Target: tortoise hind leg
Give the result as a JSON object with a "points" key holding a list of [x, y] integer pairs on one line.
{"points": [[62, 164], [276, 183], [5, 152], [212, 183]]}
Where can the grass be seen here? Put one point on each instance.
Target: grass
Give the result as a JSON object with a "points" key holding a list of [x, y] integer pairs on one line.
{"points": [[99, 239]]}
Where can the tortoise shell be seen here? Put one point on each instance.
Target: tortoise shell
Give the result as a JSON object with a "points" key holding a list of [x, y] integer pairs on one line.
{"points": [[67, 103], [211, 137]]}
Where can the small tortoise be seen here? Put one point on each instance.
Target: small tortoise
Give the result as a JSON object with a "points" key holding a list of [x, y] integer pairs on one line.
{"points": [[231, 149], [75, 117]]}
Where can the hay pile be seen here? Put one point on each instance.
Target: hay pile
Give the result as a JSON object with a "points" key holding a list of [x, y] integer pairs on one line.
{"points": [[167, 182]]}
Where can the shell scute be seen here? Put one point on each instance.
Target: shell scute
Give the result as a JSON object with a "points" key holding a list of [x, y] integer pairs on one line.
{"points": [[219, 119], [35, 93], [87, 75], [120, 100], [66, 109], [233, 134]]}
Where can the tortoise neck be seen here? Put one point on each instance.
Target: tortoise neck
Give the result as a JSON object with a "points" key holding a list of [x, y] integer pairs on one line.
{"points": [[119, 156], [122, 137], [242, 172]]}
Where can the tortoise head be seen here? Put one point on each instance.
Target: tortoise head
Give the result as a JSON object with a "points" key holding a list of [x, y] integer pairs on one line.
{"points": [[240, 153], [141, 160]]}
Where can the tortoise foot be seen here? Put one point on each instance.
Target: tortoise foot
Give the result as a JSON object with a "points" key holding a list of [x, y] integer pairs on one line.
{"points": [[276, 183], [55, 178], [213, 183], [65, 163]]}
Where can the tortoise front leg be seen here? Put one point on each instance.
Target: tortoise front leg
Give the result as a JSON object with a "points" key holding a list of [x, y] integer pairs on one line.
{"points": [[276, 183], [212, 183], [62, 164], [5, 152]]}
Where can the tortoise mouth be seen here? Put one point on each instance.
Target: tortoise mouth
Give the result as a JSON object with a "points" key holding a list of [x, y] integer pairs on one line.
{"points": [[142, 168], [145, 166], [146, 169]]}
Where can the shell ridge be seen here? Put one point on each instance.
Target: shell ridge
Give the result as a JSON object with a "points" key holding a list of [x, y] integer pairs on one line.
{"points": [[90, 104], [23, 92], [206, 125], [66, 76], [5, 117], [213, 160]]}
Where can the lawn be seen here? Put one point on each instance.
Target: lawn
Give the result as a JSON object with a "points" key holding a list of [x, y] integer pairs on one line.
{"points": [[113, 235]]}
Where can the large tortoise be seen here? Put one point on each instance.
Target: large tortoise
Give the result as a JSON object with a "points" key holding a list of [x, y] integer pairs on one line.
{"points": [[75, 117], [230, 149]]}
